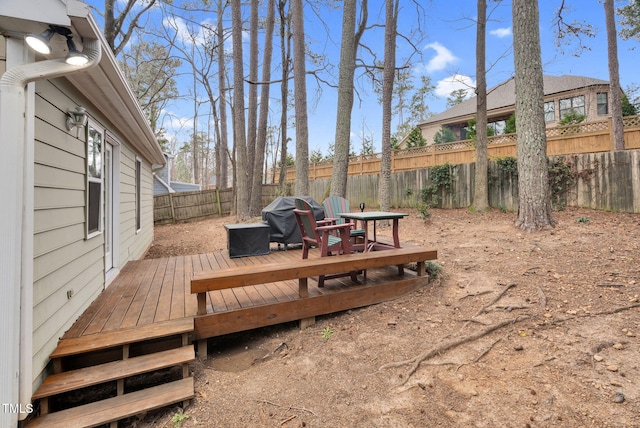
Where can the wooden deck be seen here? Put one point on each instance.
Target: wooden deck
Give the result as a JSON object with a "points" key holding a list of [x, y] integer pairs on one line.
{"points": [[158, 290]]}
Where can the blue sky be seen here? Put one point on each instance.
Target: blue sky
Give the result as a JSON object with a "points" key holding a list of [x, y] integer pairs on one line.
{"points": [[446, 53]]}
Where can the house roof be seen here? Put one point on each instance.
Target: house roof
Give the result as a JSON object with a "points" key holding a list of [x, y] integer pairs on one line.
{"points": [[504, 95], [104, 85]]}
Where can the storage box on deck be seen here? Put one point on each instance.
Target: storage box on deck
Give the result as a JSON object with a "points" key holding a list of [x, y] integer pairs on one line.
{"points": [[251, 239]]}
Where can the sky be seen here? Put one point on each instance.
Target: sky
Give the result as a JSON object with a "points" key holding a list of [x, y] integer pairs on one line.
{"points": [[444, 51]]}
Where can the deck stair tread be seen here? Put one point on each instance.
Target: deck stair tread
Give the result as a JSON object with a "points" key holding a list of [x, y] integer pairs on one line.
{"points": [[75, 379], [110, 339], [119, 407]]}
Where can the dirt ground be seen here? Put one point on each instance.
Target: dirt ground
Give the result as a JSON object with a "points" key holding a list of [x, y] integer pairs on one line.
{"points": [[521, 330]]}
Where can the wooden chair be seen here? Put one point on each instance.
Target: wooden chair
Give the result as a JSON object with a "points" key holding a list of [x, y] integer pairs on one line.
{"points": [[332, 239], [333, 206]]}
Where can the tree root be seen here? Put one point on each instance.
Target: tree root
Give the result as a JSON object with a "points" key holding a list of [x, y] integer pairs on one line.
{"points": [[416, 361]]}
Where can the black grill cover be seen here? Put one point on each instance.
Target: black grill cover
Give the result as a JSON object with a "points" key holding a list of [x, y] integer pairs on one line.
{"points": [[279, 216]]}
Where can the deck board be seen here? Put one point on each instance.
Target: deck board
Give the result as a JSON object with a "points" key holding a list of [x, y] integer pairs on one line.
{"points": [[157, 290]]}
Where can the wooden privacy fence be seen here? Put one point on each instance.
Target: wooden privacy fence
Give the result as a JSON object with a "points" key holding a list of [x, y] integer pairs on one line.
{"points": [[189, 206], [590, 137], [604, 181]]}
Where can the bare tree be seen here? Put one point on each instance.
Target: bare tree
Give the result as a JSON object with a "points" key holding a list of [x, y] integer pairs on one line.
{"points": [[252, 111], [391, 22], [239, 136], [348, 49], [256, 194], [534, 210], [116, 31], [481, 193], [222, 164], [285, 51], [300, 93], [614, 76]]}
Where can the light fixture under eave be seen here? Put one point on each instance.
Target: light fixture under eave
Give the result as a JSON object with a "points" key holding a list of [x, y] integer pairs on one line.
{"points": [[40, 42], [77, 118], [75, 57]]}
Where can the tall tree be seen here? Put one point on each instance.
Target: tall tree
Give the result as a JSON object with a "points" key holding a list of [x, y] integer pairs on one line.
{"points": [[256, 194], [481, 193], [534, 205], [150, 70], [348, 49], [388, 73], [285, 57], [300, 94], [252, 111], [614, 76], [222, 145], [239, 136]]}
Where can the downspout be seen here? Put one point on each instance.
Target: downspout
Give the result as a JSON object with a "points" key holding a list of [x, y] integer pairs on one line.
{"points": [[16, 230]]}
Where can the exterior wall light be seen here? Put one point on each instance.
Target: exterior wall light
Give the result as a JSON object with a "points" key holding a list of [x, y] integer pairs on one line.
{"points": [[77, 118], [41, 43]]}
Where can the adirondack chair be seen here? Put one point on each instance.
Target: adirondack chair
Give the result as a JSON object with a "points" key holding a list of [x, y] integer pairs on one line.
{"points": [[330, 239], [333, 206]]}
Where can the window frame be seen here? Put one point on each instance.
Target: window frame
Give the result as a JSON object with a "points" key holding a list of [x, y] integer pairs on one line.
{"points": [[91, 180], [579, 109], [138, 194], [605, 103], [548, 111]]}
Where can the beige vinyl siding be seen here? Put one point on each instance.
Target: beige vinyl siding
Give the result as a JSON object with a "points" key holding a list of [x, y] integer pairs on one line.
{"points": [[64, 260], [133, 243]]}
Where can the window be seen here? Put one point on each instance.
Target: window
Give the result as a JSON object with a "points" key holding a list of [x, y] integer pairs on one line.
{"points": [[603, 103], [94, 181], [138, 194], [572, 105], [549, 111]]}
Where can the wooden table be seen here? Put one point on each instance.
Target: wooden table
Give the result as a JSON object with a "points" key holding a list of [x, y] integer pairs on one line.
{"points": [[373, 216]]}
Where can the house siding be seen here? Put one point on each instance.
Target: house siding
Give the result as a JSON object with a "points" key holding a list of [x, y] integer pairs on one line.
{"points": [[65, 262]]}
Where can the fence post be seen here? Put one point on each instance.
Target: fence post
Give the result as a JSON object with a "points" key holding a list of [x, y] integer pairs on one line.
{"points": [[173, 212], [218, 201]]}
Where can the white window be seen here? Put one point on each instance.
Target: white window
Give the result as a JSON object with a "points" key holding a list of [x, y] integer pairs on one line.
{"points": [[549, 111], [138, 194], [95, 155], [572, 105], [603, 103]]}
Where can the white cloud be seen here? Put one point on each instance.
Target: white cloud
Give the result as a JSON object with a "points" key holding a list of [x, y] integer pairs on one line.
{"points": [[501, 32], [443, 57], [452, 83], [186, 34]]}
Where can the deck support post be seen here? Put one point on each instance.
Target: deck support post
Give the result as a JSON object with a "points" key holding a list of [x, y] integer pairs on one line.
{"points": [[202, 349], [303, 292]]}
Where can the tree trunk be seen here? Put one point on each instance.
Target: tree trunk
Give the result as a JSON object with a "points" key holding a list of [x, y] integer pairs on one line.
{"points": [[252, 111], [534, 210], [481, 193], [348, 49], [391, 20], [614, 76], [222, 169], [285, 45], [300, 94], [256, 193], [239, 137]]}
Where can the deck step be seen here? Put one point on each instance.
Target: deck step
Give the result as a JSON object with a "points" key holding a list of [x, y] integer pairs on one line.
{"points": [[94, 375], [95, 342], [120, 407]]}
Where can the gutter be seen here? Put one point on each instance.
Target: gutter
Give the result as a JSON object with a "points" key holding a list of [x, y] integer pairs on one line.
{"points": [[16, 230]]}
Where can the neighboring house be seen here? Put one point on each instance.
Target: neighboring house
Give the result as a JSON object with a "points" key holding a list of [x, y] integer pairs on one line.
{"points": [[162, 183], [562, 94], [77, 200]]}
